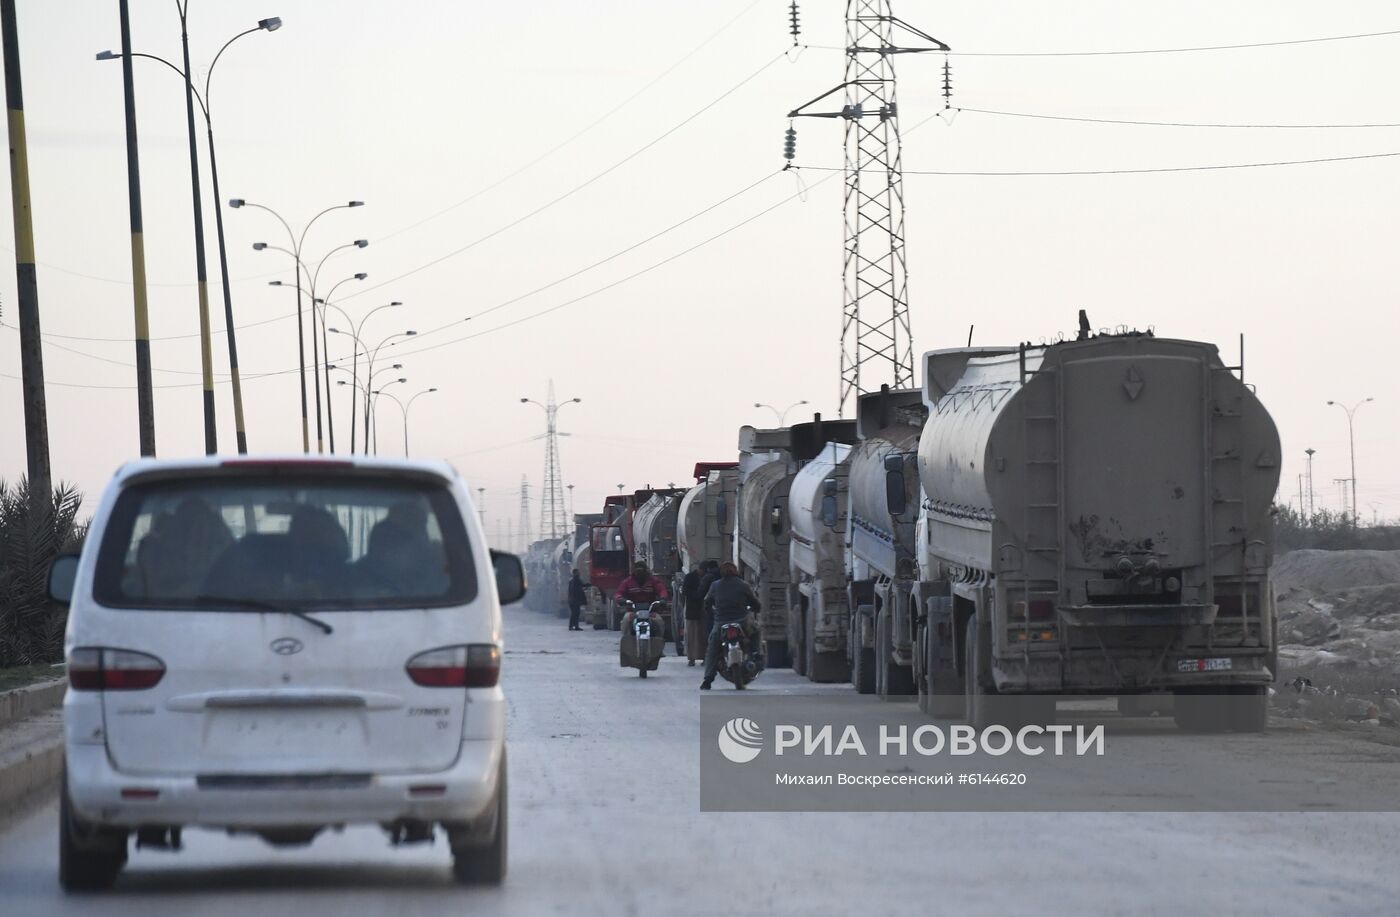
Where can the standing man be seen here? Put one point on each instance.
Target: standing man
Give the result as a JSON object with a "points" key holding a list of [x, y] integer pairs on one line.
{"points": [[577, 599], [694, 615]]}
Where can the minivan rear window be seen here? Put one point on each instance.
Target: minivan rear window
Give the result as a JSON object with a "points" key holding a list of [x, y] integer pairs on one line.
{"points": [[294, 540]]}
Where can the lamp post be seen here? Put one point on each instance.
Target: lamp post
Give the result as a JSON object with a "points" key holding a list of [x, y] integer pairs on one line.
{"points": [[315, 341], [370, 357], [325, 303], [356, 336], [403, 410], [1351, 436], [296, 241], [374, 409], [781, 415], [271, 24]]}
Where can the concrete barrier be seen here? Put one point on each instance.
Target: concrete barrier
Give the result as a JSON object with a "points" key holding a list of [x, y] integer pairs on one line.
{"points": [[19, 703], [31, 742]]}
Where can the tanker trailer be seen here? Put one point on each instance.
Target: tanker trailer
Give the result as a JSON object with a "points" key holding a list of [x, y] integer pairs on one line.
{"points": [[583, 563], [766, 470], [818, 616], [705, 520], [1098, 512], [654, 540], [881, 560]]}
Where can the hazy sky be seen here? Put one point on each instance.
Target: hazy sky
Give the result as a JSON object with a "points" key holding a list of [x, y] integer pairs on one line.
{"points": [[419, 107]]}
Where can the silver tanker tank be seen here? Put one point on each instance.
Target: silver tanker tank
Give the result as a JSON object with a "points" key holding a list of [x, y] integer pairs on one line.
{"points": [[1098, 512], [654, 532], [882, 562], [766, 470], [818, 616]]}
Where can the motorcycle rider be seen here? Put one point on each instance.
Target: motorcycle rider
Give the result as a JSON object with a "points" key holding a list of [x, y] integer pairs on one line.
{"points": [[730, 598], [641, 589]]}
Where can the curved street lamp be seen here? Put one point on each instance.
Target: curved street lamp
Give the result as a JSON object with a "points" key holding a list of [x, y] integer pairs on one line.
{"points": [[374, 409], [781, 415], [270, 24], [1351, 436], [356, 336], [316, 343], [296, 241], [403, 410]]}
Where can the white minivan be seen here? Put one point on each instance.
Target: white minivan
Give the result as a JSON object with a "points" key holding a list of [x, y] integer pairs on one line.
{"points": [[280, 645]]}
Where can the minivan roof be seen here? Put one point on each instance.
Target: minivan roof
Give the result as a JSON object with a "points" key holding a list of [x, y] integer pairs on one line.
{"points": [[289, 460]]}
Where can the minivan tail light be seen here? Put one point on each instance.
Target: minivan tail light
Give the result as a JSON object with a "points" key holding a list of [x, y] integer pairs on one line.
{"points": [[474, 666], [102, 669]]}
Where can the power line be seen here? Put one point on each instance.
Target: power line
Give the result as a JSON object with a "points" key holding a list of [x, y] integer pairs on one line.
{"points": [[577, 188], [1212, 168], [588, 127], [168, 337], [1121, 53], [616, 283], [1023, 114]]}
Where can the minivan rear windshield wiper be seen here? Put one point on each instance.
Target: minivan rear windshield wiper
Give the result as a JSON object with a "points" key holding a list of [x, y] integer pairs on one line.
{"points": [[259, 605]]}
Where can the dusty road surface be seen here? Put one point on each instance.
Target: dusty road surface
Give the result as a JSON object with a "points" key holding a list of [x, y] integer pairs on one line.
{"points": [[605, 820]]}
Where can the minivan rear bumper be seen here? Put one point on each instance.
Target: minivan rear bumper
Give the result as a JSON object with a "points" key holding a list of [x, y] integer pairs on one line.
{"points": [[463, 792]]}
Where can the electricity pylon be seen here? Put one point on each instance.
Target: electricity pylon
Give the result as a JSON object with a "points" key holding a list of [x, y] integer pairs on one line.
{"points": [[554, 512], [875, 315]]}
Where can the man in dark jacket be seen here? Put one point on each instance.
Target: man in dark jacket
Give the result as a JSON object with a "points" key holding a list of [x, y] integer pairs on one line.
{"points": [[578, 598], [731, 599]]}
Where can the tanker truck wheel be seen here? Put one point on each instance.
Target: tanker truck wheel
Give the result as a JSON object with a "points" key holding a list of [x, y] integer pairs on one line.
{"points": [[778, 657], [797, 642]]}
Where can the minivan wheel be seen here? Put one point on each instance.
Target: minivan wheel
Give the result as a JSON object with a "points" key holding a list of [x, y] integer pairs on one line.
{"points": [[485, 865], [89, 857]]}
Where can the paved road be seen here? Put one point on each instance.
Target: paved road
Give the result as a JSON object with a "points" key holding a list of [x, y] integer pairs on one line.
{"points": [[605, 820]]}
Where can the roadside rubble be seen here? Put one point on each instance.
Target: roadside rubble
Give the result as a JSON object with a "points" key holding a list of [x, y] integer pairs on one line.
{"points": [[1339, 636]]}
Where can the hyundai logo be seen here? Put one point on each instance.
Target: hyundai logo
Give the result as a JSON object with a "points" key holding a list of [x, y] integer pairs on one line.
{"points": [[286, 646]]}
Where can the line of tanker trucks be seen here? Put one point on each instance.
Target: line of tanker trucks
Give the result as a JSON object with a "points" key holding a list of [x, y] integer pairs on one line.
{"points": [[1087, 517]]}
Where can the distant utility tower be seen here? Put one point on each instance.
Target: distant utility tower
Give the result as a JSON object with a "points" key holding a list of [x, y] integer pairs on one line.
{"points": [[554, 512], [524, 513], [875, 314]]}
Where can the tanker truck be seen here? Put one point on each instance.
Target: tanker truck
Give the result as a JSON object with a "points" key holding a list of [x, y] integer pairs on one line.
{"points": [[818, 613], [766, 470], [654, 542], [881, 559], [705, 518], [1096, 519]]}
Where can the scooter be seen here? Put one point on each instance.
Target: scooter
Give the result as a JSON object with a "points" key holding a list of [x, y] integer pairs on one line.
{"points": [[736, 663], [644, 639]]}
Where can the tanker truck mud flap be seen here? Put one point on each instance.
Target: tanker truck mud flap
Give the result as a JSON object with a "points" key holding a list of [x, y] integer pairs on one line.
{"points": [[936, 676]]}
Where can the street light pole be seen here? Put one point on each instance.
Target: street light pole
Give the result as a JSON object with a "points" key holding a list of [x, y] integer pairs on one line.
{"points": [[325, 303], [781, 415], [403, 411], [238, 202], [1351, 436], [370, 357], [269, 25], [374, 407], [206, 355]]}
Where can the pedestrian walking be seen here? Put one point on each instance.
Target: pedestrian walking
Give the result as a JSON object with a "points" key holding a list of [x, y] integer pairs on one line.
{"points": [[578, 598]]}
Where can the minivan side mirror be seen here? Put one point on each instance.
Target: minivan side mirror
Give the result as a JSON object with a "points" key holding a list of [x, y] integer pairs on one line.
{"points": [[62, 574], [510, 576], [895, 500]]}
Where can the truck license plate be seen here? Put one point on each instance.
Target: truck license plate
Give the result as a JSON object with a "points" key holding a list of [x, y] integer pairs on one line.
{"points": [[1218, 664]]}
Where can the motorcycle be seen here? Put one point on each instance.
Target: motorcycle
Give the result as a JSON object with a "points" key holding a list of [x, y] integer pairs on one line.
{"points": [[737, 664], [644, 638]]}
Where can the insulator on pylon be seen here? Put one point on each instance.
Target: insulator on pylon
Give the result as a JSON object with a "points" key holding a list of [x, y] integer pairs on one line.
{"points": [[790, 144], [947, 83], [794, 28]]}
